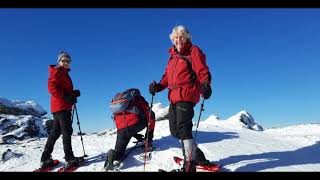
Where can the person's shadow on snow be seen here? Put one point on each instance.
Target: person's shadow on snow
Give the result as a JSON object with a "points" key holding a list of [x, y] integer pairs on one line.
{"points": [[168, 142], [269, 160], [95, 159]]}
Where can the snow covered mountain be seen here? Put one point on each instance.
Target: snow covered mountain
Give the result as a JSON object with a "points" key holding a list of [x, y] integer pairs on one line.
{"points": [[18, 107], [20, 120], [160, 111], [240, 120], [238, 143]]}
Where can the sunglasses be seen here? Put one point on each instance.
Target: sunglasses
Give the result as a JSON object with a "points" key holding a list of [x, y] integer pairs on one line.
{"points": [[68, 61]]}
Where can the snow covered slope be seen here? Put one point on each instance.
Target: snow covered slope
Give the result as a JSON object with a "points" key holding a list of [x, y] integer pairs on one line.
{"points": [[231, 143]]}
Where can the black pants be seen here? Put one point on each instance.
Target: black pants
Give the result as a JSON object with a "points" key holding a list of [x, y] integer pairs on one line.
{"points": [[62, 124], [180, 123], [180, 119], [124, 135]]}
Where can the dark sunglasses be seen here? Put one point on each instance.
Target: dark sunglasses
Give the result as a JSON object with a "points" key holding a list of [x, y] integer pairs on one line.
{"points": [[68, 61]]}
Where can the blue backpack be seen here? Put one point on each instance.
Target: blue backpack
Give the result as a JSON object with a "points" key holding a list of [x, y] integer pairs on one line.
{"points": [[123, 102]]}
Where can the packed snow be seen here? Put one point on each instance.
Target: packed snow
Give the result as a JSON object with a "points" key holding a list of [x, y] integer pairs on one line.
{"points": [[237, 143]]}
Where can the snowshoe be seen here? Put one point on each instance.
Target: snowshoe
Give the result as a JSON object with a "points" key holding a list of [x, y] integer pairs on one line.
{"points": [[203, 166], [47, 166], [72, 164]]}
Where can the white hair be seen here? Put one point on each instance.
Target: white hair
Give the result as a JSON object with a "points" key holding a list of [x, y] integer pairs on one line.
{"points": [[180, 29]]}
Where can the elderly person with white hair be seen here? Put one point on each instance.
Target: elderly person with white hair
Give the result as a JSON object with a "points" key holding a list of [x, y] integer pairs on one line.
{"points": [[187, 77]]}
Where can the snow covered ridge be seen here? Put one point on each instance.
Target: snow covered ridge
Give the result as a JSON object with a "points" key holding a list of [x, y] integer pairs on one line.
{"points": [[240, 120], [160, 111], [20, 120], [17, 107], [247, 120]]}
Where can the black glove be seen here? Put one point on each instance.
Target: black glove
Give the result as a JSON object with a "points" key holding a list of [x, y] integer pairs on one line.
{"points": [[206, 90], [139, 137], [70, 98], [76, 93], [154, 87]]}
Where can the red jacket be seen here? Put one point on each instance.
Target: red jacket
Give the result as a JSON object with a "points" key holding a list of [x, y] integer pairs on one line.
{"points": [[177, 77], [59, 85], [126, 119]]}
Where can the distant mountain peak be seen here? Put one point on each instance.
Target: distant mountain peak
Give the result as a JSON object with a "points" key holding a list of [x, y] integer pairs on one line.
{"points": [[246, 119], [242, 119], [18, 107]]}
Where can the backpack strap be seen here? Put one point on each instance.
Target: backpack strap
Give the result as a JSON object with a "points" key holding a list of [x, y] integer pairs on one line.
{"points": [[193, 76], [188, 60]]}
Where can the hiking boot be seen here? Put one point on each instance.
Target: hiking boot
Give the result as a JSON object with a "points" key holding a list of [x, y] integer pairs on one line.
{"points": [[178, 170], [109, 162], [208, 164], [205, 163], [191, 166], [46, 163], [76, 161]]}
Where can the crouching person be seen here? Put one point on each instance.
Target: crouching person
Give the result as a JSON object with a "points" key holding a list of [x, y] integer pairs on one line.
{"points": [[131, 113]]}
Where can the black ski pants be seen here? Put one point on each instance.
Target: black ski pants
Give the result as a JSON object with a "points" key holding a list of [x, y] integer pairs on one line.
{"points": [[62, 124], [180, 123], [124, 135], [180, 119]]}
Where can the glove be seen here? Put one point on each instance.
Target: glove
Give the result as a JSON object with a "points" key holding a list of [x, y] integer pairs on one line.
{"points": [[70, 98], [76, 93], [139, 137], [154, 87], [206, 90]]}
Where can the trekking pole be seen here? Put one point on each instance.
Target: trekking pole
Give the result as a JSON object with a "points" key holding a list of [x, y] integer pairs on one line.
{"points": [[146, 141], [201, 109], [72, 115], [195, 134], [75, 108]]}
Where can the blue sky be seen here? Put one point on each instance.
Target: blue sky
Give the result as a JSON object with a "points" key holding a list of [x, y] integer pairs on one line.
{"points": [[264, 61]]}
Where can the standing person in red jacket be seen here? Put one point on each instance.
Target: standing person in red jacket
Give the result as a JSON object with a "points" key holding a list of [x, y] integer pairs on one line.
{"points": [[62, 99], [131, 115], [187, 77]]}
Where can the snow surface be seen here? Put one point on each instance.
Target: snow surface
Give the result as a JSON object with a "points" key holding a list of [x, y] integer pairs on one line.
{"points": [[160, 110], [229, 142], [23, 122]]}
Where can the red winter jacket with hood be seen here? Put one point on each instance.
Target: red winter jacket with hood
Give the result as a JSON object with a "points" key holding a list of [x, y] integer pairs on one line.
{"points": [[59, 85], [177, 76], [126, 119]]}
